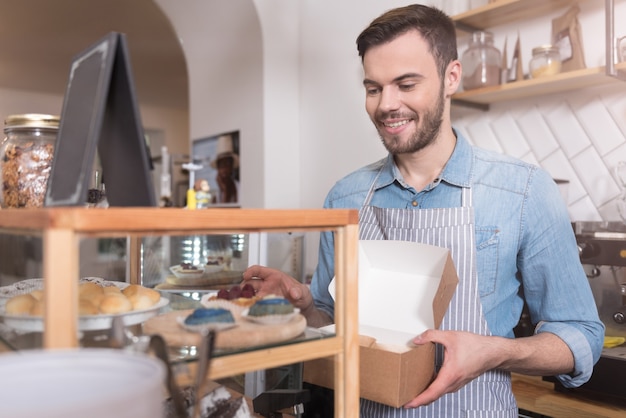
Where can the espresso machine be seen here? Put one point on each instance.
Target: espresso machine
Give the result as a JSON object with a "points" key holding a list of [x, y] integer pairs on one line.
{"points": [[602, 250]]}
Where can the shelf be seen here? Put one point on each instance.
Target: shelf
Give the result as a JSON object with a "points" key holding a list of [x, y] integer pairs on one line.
{"points": [[559, 83], [172, 220], [506, 11]]}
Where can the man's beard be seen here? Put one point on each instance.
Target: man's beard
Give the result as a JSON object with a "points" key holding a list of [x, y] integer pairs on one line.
{"points": [[424, 136]]}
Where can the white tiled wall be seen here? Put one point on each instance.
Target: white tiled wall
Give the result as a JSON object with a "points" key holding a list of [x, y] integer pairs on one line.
{"points": [[579, 136]]}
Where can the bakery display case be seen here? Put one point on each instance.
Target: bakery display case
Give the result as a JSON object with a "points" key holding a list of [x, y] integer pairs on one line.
{"points": [[61, 232]]}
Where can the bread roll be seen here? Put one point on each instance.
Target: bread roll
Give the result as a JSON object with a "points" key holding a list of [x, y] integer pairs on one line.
{"points": [[111, 289], [140, 301], [37, 294], [114, 303], [38, 308], [85, 307], [135, 289], [20, 304], [87, 290]]}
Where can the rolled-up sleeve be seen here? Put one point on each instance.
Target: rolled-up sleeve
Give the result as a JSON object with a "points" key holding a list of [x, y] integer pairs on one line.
{"points": [[556, 287]]}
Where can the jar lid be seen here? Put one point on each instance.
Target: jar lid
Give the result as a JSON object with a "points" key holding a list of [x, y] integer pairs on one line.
{"points": [[32, 120], [545, 48], [482, 36]]}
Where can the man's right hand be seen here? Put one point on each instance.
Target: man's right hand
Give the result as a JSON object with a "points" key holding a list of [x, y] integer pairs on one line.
{"points": [[269, 281]]}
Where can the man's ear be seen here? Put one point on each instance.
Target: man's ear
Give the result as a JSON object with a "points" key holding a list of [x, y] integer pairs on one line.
{"points": [[452, 78]]}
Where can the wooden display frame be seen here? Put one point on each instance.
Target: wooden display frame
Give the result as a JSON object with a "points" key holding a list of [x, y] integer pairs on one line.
{"points": [[63, 228]]}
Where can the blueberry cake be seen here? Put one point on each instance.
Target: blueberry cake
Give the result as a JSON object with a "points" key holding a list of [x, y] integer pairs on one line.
{"points": [[203, 316], [271, 306]]}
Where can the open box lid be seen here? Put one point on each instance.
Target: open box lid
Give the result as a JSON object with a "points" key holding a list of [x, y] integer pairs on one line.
{"points": [[404, 289]]}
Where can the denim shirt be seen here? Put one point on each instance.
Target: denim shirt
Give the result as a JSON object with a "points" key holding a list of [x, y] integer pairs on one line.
{"points": [[526, 248]]}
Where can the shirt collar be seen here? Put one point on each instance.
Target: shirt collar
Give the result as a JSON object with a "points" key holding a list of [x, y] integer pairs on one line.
{"points": [[458, 169]]}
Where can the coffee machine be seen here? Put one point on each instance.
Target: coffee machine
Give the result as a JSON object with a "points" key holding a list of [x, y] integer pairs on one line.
{"points": [[602, 250]]}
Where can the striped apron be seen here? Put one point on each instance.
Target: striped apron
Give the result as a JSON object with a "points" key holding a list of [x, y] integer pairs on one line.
{"points": [[489, 395]]}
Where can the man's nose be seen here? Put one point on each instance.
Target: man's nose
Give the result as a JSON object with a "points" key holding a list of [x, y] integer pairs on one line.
{"points": [[389, 100]]}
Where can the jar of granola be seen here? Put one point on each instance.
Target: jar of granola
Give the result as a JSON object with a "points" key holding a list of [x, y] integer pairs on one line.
{"points": [[26, 156]]}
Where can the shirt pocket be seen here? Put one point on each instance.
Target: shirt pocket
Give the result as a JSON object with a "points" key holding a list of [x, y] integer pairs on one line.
{"points": [[487, 242]]}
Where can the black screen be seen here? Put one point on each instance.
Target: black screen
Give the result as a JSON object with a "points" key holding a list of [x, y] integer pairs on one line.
{"points": [[100, 112]]}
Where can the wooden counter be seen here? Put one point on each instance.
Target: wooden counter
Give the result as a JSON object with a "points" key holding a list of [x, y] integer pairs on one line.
{"points": [[538, 396]]}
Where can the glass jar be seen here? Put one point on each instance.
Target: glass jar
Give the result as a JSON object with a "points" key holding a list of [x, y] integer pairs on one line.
{"points": [[481, 62], [621, 49], [546, 61], [26, 159]]}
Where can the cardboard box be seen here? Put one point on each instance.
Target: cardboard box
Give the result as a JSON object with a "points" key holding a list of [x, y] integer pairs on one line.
{"points": [[404, 289]]}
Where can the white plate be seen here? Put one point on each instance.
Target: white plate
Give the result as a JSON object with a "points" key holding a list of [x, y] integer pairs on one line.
{"points": [[180, 273], [199, 328], [270, 319], [213, 268], [86, 322], [85, 382]]}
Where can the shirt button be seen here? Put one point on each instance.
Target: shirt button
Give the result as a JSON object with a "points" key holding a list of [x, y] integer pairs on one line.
{"points": [[414, 203]]}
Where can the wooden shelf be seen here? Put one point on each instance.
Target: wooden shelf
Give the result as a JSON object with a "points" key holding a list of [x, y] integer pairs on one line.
{"points": [[558, 83], [506, 11]]}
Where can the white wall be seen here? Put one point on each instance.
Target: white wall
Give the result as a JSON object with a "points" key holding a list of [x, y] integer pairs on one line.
{"points": [[173, 123], [222, 44]]}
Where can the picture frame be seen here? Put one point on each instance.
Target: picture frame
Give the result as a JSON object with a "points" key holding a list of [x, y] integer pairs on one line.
{"points": [[218, 158]]}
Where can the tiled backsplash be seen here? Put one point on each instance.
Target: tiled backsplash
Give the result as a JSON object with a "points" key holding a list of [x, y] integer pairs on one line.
{"points": [[578, 136]]}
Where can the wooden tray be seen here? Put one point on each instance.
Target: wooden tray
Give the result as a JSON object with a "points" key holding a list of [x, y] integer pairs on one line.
{"points": [[209, 279], [245, 334]]}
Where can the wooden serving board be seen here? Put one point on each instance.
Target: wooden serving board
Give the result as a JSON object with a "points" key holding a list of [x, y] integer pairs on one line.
{"points": [[209, 279], [245, 334]]}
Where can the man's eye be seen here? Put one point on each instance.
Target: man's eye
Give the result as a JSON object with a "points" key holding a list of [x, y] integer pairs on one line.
{"points": [[407, 87], [372, 91]]}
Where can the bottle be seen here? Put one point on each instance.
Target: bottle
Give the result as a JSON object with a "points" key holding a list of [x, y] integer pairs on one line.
{"points": [[481, 62], [26, 155], [621, 49], [546, 60]]}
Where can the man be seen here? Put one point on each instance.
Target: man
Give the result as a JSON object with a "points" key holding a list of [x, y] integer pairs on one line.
{"points": [[226, 162], [503, 220]]}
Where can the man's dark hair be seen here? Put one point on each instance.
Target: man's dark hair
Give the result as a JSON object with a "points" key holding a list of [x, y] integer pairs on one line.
{"points": [[434, 26]]}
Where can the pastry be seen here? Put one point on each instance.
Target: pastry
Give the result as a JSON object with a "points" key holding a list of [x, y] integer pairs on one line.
{"points": [[241, 296], [115, 303], [85, 307], [20, 304], [203, 316], [93, 299], [110, 289], [38, 308], [140, 301], [91, 292], [134, 289], [37, 294], [271, 305]]}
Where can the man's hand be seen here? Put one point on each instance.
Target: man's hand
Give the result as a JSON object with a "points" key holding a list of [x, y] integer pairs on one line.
{"points": [[468, 355], [268, 281]]}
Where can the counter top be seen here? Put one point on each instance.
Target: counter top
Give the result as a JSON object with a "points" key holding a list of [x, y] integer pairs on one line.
{"points": [[536, 395]]}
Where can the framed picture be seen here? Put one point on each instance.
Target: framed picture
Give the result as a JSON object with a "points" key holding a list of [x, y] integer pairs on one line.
{"points": [[217, 181]]}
